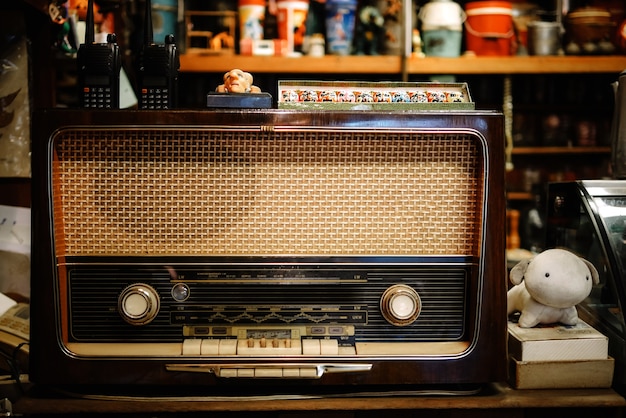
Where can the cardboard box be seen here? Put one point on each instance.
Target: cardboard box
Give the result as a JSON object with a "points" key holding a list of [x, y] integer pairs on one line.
{"points": [[561, 374], [557, 343]]}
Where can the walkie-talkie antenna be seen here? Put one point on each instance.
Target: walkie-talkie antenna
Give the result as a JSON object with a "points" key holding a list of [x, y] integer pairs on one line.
{"points": [[90, 36], [147, 31]]}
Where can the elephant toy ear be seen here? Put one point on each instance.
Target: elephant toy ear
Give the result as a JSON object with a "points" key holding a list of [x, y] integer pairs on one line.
{"points": [[517, 272], [594, 272]]}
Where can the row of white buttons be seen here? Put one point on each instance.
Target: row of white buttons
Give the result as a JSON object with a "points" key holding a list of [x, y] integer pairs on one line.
{"points": [[310, 372], [230, 347]]}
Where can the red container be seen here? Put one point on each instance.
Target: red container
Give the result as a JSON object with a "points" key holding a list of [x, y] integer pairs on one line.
{"points": [[489, 28]]}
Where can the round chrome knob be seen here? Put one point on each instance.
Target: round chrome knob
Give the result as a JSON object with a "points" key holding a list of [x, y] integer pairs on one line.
{"points": [[138, 304], [400, 305]]}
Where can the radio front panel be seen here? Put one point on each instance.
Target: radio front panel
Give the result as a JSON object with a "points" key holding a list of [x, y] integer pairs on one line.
{"points": [[344, 248], [299, 301]]}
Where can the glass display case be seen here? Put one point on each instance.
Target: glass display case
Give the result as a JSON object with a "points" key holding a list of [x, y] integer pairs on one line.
{"points": [[589, 218]]}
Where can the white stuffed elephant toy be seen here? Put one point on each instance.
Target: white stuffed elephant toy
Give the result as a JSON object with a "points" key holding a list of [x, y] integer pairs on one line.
{"points": [[548, 286]]}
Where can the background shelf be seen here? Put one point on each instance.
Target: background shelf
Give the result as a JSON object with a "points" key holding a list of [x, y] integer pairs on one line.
{"points": [[390, 64], [560, 150]]}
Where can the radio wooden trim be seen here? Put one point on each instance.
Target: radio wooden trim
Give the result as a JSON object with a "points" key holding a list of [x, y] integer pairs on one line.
{"points": [[121, 295]]}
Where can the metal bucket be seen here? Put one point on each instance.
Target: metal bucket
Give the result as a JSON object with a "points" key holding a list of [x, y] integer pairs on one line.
{"points": [[544, 38]]}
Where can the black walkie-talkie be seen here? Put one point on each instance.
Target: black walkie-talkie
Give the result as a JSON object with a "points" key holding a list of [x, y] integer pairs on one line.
{"points": [[99, 66], [157, 69]]}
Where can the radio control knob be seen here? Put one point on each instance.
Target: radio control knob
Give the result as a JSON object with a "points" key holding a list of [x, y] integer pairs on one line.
{"points": [[400, 305], [138, 304]]}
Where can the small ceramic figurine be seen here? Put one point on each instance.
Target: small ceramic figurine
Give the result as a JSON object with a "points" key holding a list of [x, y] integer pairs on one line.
{"points": [[237, 81]]}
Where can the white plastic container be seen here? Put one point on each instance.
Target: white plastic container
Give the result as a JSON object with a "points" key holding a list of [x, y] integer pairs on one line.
{"points": [[442, 28]]}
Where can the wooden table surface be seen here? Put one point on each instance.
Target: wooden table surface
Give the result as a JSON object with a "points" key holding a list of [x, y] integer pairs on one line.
{"points": [[496, 396]]}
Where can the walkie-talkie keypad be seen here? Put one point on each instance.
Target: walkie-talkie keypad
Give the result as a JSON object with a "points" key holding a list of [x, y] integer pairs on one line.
{"points": [[155, 98], [97, 97]]}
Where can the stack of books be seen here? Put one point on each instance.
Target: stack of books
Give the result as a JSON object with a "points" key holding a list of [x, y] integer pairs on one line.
{"points": [[559, 356]]}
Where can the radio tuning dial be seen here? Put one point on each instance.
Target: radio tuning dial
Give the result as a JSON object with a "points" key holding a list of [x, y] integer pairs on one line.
{"points": [[138, 304], [400, 305]]}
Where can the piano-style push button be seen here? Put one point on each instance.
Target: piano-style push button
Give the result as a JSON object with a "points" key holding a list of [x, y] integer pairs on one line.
{"points": [[228, 347], [329, 347], [268, 372], [311, 347], [291, 372], [228, 372], [210, 348], [308, 372], [245, 372], [191, 347]]}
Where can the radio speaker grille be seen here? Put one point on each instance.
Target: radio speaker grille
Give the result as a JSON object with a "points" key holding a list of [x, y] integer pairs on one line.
{"points": [[167, 191]]}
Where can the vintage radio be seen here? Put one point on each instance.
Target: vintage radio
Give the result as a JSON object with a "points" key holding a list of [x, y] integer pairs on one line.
{"points": [[316, 248]]}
